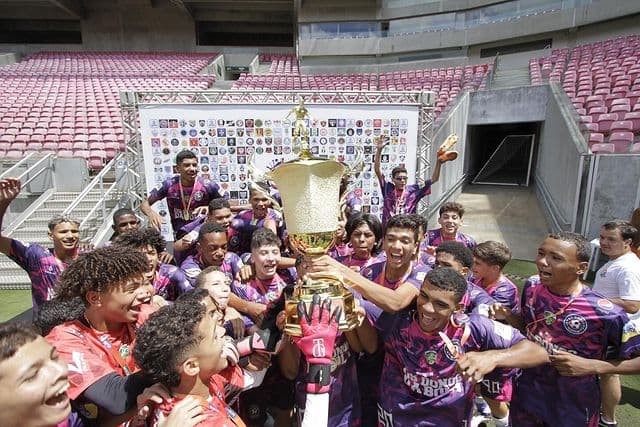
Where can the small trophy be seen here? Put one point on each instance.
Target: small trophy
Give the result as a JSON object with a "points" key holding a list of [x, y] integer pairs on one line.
{"points": [[310, 194]]}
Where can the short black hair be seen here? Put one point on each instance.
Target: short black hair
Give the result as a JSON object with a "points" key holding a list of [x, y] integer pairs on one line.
{"points": [[58, 311], [493, 253], [13, 335], [193, 295], [583, 247], [264, 237], [420, 220], [141, 238], [627, 229], [449, 279], [218, 203], [166, 339], [451, 207], [100, 270], [122, 212], [184, 155], [395, 171], [405, 222], [460, 252], [210, 227], [371, 221]]}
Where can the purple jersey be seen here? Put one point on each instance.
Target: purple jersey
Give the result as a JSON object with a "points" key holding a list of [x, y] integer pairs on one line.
{"points": [[588, 325], [353, 203], [404, 202], [503, 291], [631, 338], [476, 300], [426, 254], [419, 384], [43, 269], [352, 261], [435, 237], [170, 282], [193, 265], [202, 192], [243, 226], [344, 395], [260, 291]]}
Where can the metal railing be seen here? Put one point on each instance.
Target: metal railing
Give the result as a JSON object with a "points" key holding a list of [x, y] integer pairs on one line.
{"points": [[15, 167]]}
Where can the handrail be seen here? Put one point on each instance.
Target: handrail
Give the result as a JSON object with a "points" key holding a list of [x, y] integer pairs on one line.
{"points": [[47, 157], [98, 179], [496, 62], [7, 173]]}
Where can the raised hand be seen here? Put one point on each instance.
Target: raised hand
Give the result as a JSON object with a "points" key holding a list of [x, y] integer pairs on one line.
{"points": [[382, 141], [444, 153], [9, 189]]}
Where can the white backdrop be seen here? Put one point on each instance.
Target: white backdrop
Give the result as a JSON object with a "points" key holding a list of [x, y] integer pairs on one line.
{"points": [[223, 137]]}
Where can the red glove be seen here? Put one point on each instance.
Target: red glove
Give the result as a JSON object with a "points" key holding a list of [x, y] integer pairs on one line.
{"points": [[319, 331]]}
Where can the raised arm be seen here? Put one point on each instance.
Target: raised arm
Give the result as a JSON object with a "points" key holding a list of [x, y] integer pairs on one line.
{"points": [[9, 190], [154, 218]]}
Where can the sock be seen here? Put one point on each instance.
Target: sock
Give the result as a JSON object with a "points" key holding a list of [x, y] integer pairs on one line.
{"points": [[501, 422]]}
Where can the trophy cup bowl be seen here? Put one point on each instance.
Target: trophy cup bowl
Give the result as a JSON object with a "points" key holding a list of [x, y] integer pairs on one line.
{"points": [[310, 193]]}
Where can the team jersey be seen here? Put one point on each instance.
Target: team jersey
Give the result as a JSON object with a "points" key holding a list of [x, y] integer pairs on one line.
{"points": [[243, 226], [405, 202], [588, 325], [351, 261], [352, 204], [435, 237], [426, 253], [43, 269], [341, 250], [419, 385], [631, 338], [193, 265], [260, 291], [193, 228], [182, 203], [344, 395], [219, 414], [503, 291], [476, 300], [170, 282]]}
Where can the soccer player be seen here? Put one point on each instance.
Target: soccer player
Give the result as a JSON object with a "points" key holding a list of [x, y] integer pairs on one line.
{"points": [[187, 194], [168, 281], [435, 353], [450, 220], [364, 234], [400, 198], [43, 265], [33, 379], [246, 222], [489, 258], [562, 315], [211, 250], [619, 281], [214, 281], [103, 377], [124, 220], [219, 213]]}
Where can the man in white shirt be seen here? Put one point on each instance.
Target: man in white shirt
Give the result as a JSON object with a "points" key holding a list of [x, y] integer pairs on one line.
{"points": [[619, 281]]}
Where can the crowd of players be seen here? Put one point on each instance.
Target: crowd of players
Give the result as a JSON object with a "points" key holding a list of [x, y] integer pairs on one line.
{"points": [[131, 334]]}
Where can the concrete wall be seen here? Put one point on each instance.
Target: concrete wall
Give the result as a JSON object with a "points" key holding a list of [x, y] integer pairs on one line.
{"points": [[514, 105], [452, 175]]}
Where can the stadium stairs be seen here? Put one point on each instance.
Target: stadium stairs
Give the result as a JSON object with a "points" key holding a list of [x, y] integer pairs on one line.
{"points": [[515, 77]]}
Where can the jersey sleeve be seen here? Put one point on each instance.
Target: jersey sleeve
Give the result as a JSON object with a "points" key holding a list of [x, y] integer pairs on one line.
{"points": [[630, 339], [214, 190], [614, 331], [423, 190], [25, 254], [160, 193], [179, 281], [86, 365], [508, 296], [493, 335]]}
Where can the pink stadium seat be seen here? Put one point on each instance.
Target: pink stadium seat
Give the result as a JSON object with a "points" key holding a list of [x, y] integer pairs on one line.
{"points": [[635, 148], [602, 148], [605, 121], [621, 126], [596, 138], [14, 154], [634, 118], [65, 153], [621, 140], [592, 127], [619, 110]]}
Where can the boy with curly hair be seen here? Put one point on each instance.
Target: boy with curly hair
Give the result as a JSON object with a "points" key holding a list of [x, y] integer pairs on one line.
{"points": [[103, 377]]}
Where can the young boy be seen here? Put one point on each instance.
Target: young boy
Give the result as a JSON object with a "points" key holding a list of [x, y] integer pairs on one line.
{"points": [[435, 353], [187, 194], [168, 281], [562, 315], [124, 220], [489, 258], [450, 220], [43, 265], [211, 248], [33, 380], [104, 382]]}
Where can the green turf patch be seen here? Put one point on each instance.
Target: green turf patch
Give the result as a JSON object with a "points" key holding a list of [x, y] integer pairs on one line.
{"points": [[518, 271], [13, 303]]}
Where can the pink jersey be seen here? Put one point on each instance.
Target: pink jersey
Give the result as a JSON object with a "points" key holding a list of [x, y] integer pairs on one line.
{"points": [[503, 291], [401, 202]]}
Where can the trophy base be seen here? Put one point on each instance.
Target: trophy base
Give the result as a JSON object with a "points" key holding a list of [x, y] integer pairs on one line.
{"points": [[326, 287]]}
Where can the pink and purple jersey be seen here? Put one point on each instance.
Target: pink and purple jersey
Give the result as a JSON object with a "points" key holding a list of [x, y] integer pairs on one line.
{"points": [[170, 282], [419, 385], [344, 395], [203, 190], [588, 325], [405, 202], [631, 339], [352, 261], [43, 269], [353, 203], [260, 291], [503, 291], [435, 237], [476, 300], [193, 265], [243, 226]]}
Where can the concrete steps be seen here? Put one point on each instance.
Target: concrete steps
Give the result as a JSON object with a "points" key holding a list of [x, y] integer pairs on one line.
{"points": [[511, 78]]}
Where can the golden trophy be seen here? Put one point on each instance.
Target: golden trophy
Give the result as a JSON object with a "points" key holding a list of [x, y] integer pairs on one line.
{"points": [[310, 189]]}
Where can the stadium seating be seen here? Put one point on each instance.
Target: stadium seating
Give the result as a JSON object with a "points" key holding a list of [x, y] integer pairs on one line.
{"points": [[70, 101], [603, 79]]}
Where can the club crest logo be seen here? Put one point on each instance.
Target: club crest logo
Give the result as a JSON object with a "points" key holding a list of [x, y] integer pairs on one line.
{"points": [[575, 324], [430, 357], [447, 353], [198, 195]]}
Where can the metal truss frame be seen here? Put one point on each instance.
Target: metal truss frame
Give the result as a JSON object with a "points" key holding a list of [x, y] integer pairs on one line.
{"points": [[130, 102]]}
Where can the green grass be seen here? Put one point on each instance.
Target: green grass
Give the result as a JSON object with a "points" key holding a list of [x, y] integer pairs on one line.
{"points": [[628, 413], [13, 303]]}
